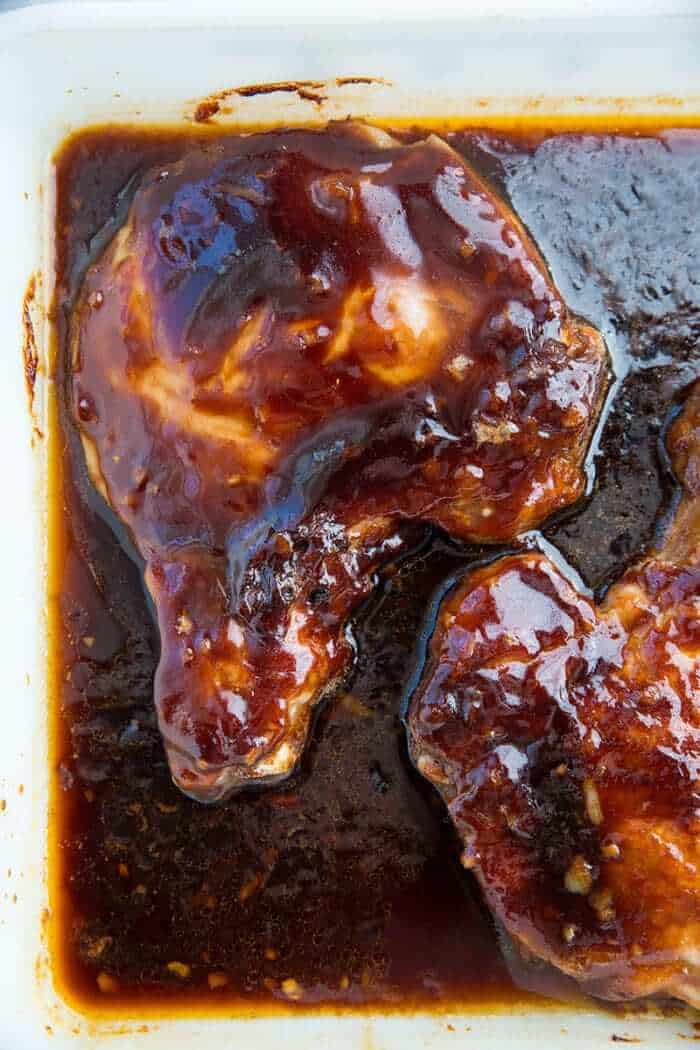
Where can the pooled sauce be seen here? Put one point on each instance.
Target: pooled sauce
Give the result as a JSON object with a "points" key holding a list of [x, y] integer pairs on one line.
{"points": [[341, 886]]}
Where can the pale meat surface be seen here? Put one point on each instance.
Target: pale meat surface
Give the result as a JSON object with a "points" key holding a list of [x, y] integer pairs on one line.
{"points": [[297, 342], [565, 739]]}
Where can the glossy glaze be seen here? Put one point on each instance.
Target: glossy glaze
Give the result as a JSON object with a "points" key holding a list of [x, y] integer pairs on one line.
{"points": [[294, 344], [565, 739]]}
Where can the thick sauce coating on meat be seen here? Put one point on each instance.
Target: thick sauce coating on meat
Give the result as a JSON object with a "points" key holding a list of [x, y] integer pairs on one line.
{"points": [[565, 739], [292, 345]]}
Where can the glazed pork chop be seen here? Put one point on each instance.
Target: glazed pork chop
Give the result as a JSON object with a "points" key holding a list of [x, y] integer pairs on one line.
{"points": [[565, 739], [297, 342]]}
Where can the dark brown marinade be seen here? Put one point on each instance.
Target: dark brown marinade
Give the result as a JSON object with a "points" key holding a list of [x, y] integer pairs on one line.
{"points": [[346, 879]]}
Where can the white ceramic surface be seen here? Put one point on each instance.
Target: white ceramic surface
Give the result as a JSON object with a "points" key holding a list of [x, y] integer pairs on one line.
{"points": [[67, 65]]}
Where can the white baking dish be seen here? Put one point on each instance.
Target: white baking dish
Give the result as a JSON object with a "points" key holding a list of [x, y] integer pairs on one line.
{"points": [[67, 65]]}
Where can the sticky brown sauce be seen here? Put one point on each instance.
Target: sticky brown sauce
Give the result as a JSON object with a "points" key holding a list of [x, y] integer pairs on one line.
{"points": [[342, 887]]}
